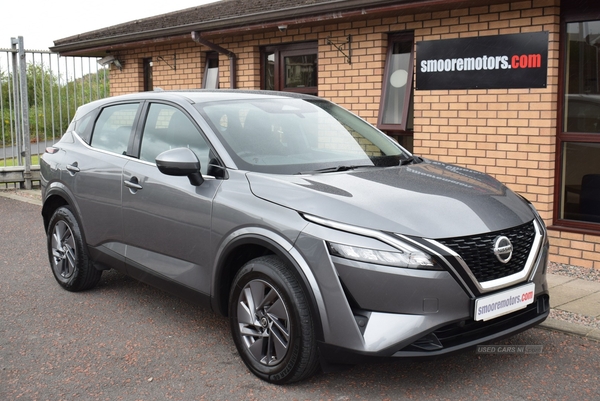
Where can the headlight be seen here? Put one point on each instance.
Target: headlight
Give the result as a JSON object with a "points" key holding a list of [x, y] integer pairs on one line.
{"points": [[405, 256], [409, 257]]}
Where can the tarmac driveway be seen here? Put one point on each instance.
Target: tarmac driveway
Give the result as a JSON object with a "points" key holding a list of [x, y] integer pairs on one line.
{"points": [[127, 341]]}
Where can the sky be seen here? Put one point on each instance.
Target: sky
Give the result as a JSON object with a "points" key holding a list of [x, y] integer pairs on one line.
{"points": [[41, 22]]}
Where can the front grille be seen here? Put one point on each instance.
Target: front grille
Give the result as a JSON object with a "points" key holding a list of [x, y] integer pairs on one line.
{"points": [[478, 252]]}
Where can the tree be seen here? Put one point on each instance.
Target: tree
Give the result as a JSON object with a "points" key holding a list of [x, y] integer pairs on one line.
{"points": [[52, 100]]}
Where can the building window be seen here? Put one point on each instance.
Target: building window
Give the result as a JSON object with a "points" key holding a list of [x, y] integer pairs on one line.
{"points": [[148, 84], [396, 108], [291, 68], [579, 131], [211, 71]]}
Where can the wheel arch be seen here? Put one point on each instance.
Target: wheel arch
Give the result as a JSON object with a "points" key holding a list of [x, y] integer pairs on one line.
{"points": [[248, 246], [56, 196]]}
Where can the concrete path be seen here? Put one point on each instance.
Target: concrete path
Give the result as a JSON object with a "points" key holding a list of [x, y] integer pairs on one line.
{"points": [[574, 296]]}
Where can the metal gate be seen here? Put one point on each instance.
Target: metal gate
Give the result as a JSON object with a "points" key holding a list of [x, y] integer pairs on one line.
{"points": [[39, 93]]}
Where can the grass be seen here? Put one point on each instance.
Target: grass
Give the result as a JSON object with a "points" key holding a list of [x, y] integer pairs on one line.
{"points": [[13, 161]]}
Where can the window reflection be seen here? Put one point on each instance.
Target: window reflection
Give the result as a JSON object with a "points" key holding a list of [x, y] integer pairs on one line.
{"points": [[578, 140], [270, 71], [290, 67], [148, 82], [396, 105], [582, 86], [301, 71], [397, 83], [581, 182], [211, 74]]}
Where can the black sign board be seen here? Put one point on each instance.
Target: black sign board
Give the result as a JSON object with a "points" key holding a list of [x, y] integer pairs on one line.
{"points": [[485, 62]]}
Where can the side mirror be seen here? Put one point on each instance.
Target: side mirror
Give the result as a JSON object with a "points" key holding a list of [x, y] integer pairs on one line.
{"points": [[180, 162]]}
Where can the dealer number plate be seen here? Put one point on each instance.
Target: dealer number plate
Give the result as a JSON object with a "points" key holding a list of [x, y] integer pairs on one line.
{"points": [[504, 302]]}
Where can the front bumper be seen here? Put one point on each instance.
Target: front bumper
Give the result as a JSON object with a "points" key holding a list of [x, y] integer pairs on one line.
{"points": [[379, 311], [451, 338]]}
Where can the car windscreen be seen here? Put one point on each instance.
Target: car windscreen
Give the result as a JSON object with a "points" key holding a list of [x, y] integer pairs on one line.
{"points": [[291, 136]]}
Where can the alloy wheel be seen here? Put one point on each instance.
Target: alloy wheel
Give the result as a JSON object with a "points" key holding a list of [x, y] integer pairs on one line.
{"points": [[63, 250], [264, 322]]}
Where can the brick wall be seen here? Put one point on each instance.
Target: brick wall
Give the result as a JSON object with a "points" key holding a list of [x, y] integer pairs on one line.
{"points": [[355, 86], [175, 66], [508, 133]]}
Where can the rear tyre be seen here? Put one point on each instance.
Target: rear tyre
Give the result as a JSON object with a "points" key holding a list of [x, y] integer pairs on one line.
{"points": [[69, 260], [271, 322]]}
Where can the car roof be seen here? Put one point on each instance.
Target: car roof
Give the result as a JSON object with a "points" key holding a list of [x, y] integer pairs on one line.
{"points": [[192, 96]]}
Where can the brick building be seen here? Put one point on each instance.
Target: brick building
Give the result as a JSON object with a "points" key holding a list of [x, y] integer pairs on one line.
{"points": [[539, 133]]}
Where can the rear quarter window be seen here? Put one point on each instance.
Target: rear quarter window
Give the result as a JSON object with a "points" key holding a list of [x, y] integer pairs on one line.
{"points": [[113, 128], [82, 127]]}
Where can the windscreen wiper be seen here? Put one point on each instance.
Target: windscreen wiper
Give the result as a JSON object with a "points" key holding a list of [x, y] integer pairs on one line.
{"points": [[336, 169]]}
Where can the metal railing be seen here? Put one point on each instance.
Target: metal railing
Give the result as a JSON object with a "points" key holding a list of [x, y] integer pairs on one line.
{"points": [[39, 94]]}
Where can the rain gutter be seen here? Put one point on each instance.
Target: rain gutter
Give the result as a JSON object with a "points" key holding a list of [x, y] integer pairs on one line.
{"points": [[325, 12]]}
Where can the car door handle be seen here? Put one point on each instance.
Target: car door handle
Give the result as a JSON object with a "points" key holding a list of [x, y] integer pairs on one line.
{"points": [[73, 168], [133, 183]]}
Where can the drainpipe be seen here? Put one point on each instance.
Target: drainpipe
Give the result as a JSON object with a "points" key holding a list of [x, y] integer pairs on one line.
{"points": [[196, 37]]}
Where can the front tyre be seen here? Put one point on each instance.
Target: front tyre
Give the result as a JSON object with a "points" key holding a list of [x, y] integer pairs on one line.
{"points": [[271, 322], [67, 252]]}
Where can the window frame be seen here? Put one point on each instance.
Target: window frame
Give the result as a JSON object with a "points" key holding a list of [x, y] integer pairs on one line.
{"points": [[280, 53], [570, 13], [147, 64], [93, 127], [210, 56], [398, 129]]}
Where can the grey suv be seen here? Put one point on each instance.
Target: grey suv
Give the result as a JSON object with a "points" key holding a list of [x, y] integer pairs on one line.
{"points": [[320, 238]]}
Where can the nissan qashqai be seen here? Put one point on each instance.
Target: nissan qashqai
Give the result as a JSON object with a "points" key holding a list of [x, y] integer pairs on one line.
{"points": [[320, 238]]}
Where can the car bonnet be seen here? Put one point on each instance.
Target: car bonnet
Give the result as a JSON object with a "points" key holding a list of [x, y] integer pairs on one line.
{"points": [[429, 199]]}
